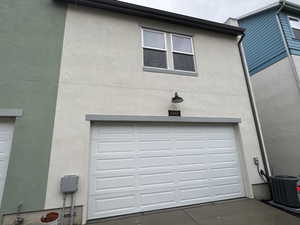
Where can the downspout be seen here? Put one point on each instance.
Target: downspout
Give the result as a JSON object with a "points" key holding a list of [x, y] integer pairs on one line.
{"points": [[254, 110], [290, 58]]}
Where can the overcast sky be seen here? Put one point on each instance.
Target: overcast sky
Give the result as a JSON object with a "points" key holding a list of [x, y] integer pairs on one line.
{"points": [[217, 10]]}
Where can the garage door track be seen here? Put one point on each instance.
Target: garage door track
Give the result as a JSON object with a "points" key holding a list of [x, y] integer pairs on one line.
{"points": [[233, 212]]}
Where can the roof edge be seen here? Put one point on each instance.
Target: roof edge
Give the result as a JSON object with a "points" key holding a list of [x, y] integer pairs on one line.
{"points": [[251, 13], [147, 12], [286, 5]]}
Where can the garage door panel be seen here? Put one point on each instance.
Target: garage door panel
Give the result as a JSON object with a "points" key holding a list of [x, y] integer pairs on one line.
{"points": [[151, 133], [157, 145], [194, 184], [115, 192], [114, 164], [156, 153], [158, 199], [195, 195], [189, 131], [114, 205], [156, 170], [193, 175], [193, 167], [157, 166], [114, 147], [110, 128], [225, 172], [114, 155], [112, 173], [159, 178], [119, 138], [120, 182], [222, 158], [219, 133], [223, 150], [224, 165], [220, 143], [190, 152], [6, 136], [225, 180], [149, 162], [189, 144], [191, 159], [223, 190]]}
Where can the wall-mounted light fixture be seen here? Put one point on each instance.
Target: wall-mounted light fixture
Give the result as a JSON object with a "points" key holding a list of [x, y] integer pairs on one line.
{"points": [[177, 98], [174, 110]]}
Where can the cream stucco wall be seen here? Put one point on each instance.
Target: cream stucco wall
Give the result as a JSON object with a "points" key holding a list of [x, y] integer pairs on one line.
{"points": [[278, 103], [102, 73]]}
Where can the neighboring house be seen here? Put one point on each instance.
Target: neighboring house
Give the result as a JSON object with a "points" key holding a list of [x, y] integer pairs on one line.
{"points": [[109, 94], [30, 51], [272, 51]]}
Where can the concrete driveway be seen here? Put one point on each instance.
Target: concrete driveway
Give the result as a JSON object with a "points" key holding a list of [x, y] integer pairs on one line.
{"points": [[233, 212]]}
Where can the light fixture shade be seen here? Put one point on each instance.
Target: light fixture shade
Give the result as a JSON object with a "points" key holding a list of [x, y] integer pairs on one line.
{"points": [[177, 98]]}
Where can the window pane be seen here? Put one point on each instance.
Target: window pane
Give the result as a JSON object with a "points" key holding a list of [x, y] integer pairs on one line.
{"points": [[155, 58], [296, 33], [182, 44], [153, 39], [183, 62], [295, 23]]}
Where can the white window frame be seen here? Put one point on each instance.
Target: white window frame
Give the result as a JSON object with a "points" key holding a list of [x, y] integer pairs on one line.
{"points": [[184, 36], [294, 18], [154, 31], [185, 53], [169, 50], [159, 49], [293, 27]]}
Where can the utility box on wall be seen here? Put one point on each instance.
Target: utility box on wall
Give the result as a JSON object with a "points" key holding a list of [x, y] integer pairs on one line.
{"points": [[69, 184], [286, 190]]}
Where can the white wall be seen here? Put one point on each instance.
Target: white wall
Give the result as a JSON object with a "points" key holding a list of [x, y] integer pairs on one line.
{"points": [[278, 103], [102, 73], [296, 59]]}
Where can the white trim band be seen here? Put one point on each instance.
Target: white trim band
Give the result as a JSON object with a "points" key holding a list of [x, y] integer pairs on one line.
{"points": [[118, 118]]}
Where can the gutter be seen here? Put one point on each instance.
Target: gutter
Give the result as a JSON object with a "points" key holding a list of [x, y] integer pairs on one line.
{"points": [[254, 110], [289, 5], [147, 12], [290, 58]]}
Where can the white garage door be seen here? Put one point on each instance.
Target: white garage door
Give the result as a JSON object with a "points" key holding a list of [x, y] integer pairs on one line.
{"points": [[138, 167], [6, 134]]}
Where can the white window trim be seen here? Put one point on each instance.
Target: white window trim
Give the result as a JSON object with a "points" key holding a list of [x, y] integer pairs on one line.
{"points": [[294, 18], [180, 52], [154, 31], [185, 53], [293, 27], [169, 52]]}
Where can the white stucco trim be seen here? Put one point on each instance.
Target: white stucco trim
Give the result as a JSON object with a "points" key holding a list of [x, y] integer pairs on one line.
{"points": [[11, 112], [123, 118]]}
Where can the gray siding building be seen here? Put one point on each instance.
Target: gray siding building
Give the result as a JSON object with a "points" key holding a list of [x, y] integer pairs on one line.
{"points": [[272, 50]]}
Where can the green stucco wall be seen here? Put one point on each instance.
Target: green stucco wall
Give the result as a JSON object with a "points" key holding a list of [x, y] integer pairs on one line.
{"points": [[31, 36]]}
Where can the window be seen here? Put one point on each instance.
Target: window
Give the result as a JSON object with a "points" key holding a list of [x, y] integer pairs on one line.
{"points": [[173, 53], [154, 46], [295, 24], [183, 54]]}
